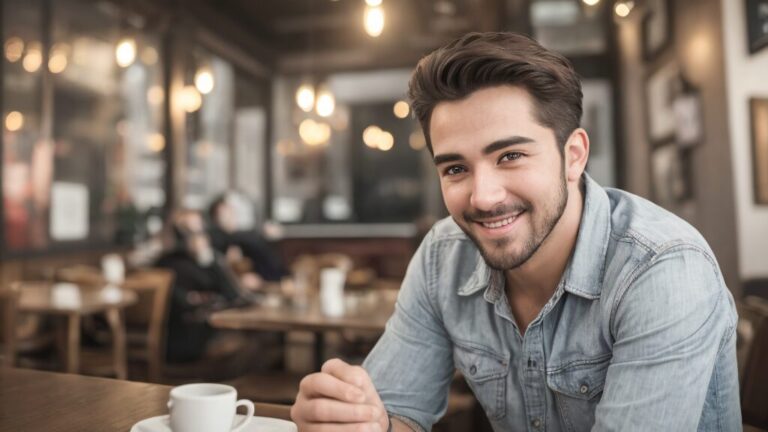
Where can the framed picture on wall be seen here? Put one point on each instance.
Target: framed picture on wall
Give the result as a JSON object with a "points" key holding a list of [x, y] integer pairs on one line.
{"points": [[671, 174], [757, 25], [656, 28], [759, 120], [661, 88]]}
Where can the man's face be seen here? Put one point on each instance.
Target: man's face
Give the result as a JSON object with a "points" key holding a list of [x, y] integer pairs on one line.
{"points": [[501, 172]]}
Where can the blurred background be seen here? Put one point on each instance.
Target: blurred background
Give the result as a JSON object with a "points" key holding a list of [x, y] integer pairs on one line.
{"points": [[119, 114]]}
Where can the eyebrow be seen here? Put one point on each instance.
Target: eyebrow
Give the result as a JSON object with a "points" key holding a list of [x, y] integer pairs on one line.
{"points": [[490, 148]]}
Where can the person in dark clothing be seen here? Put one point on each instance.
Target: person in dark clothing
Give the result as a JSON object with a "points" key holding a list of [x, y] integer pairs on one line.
{"points": [[229, 240], [203, 284]]}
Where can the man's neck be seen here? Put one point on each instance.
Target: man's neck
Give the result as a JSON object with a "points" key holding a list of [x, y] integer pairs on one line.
{"points": [[535, 282]]}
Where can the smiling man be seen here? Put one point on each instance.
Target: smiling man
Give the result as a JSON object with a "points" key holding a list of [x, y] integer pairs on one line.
{"points": [[566, 306]]}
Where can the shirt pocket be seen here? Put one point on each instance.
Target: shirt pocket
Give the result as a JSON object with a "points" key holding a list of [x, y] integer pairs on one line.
{"points": [[486, 373], [578, 387]]}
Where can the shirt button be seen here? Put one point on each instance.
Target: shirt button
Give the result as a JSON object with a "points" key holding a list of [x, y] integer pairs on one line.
{"points": [[584, 389], [473, 370], [536, 423]]}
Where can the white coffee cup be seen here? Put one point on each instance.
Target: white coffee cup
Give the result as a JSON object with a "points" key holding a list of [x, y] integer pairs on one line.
{"points": [[206, 408]]}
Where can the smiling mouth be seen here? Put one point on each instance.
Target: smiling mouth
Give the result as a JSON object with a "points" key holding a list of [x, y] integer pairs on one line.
{"points": [[500, 223]]}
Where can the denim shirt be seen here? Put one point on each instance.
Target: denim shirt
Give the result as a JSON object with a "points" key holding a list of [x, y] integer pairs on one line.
{"points": [[638, 336]]}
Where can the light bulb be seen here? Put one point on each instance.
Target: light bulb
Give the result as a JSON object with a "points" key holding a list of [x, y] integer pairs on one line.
{"points": [[371, 136], [14, 49], [326, 103], [591, 2], [34, 57], [204, 80], [14, 121], [373, 21], [386, 141], [190, 99], [623, 8], [125, 52], [401, 109], [57, 61], [373, 2], [305, 97]]}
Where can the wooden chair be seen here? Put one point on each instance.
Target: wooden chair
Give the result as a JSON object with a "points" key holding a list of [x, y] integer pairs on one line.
{"points": [[146, 320], [753, 356], [8, 303]]}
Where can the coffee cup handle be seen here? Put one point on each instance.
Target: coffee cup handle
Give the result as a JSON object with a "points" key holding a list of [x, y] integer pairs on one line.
{"points": [[248, 417]]}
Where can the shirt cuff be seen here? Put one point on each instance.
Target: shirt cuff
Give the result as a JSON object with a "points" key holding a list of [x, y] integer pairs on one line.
{"points": [[410, 423]]}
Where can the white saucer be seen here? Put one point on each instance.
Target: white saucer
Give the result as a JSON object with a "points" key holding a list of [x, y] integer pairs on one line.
{"points": [[257, 424]]}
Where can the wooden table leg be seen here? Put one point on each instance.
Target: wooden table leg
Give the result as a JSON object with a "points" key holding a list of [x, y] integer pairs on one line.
{"points": [[72, 363], [115, 319]]}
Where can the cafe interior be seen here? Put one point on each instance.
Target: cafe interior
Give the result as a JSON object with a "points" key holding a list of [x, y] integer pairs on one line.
{"points": [[230, 191]]}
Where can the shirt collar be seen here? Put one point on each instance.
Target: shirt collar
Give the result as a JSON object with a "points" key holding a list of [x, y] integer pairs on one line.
{"points": [[584, 274]]}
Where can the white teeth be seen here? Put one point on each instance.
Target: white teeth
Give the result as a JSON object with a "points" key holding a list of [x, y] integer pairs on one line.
{"points": [[500, 223]]}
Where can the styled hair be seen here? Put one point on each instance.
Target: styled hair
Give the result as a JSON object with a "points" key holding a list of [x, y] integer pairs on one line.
{"points": [[480, 60]]}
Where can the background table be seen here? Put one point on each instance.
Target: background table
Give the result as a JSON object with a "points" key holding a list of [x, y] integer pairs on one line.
{"points": [[33, 401], [285, 317], [36, 297]]}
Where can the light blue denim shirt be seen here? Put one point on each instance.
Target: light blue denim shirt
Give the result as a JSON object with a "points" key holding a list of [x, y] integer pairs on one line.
{"points": [[639, 335]]}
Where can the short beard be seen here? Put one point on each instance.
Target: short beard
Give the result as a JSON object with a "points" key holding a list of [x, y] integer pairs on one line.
{"points": [[507, 261]]}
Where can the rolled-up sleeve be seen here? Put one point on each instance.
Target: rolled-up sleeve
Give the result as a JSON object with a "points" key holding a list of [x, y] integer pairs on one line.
{"points": [[411, 365], [670, 325]]}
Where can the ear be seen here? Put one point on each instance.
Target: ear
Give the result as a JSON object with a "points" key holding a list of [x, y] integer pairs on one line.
{"points": [[576, 154]]}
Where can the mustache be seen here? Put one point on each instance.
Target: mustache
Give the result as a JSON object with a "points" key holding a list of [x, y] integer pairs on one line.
{"points": [[471, 215]]}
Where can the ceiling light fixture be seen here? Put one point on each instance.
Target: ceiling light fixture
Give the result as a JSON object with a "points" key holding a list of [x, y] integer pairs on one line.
{"points": [[373, 20], [125, 52]]}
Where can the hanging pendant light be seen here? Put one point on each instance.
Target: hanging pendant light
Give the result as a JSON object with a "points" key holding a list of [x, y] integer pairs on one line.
{"points": [[125, 52], [373, 20], [326, 103]]}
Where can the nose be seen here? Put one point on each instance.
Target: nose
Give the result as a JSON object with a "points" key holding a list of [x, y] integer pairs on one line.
{"points": [[488, 190]]}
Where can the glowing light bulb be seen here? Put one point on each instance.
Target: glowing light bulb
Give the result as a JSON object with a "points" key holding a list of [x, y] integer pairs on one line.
{"points": [[156, 142], [371, 136], [591, 2], [386, 141], [14, 121], [373, 20], [326, 103], [155, 95], [373, 2], [623, 8], [125, 52], [204, 80], [401, 109], [14, 49], [305, 97], [34, 57], [314, 133], [57, 61], [190, 99]]}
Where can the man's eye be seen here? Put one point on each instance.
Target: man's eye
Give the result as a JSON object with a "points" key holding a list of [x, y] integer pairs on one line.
{"points": [[510, 156], [453, 170]]}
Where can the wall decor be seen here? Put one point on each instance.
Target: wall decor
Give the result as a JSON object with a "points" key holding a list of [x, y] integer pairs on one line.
{"points": [[671, 174], [757, 24], [759, 120], [661, 87], [656, 28]]}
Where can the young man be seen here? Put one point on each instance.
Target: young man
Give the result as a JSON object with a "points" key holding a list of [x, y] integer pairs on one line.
{"points": [[566, 306]]}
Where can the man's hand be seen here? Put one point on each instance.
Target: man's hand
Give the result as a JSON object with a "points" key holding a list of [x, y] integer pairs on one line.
{"points": [[339, 398]]}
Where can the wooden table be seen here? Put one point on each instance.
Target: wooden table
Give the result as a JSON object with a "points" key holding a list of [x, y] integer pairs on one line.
{"points": [[284, 317], [37, 297], [52, 402]]}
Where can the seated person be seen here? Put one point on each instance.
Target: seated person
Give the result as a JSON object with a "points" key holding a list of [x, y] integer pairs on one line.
{"points": [[203, 283], [565, 305], [233, 242]]}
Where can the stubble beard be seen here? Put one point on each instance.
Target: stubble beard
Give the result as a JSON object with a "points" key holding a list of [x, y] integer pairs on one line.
{"points": [[496, 253]]}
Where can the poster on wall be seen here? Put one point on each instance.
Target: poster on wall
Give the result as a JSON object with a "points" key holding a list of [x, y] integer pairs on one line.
{"points": [[69, 211], [757, 25], [759, 120]]}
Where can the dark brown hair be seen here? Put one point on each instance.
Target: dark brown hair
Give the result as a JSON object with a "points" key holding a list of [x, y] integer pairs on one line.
{"points": [[481, 60]]}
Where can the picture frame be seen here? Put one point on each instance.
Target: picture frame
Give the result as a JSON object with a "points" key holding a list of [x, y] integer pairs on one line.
{"points": [[759, 127], [656, 28], [757, 24], [672, 174], [661, 89]]}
